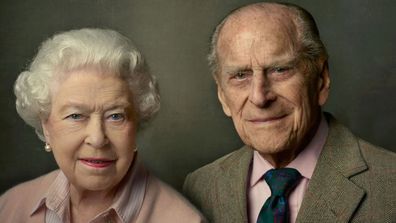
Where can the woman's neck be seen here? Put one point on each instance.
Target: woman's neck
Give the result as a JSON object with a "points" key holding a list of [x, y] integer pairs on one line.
{"points": [[85, 205]]}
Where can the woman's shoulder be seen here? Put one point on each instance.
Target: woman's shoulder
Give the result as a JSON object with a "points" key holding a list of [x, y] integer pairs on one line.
{"points": [[162, 203], [22, 197], [31, 185]]}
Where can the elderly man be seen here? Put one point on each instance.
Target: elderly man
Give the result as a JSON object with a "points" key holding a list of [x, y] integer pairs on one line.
{"points": [[299, 164]]}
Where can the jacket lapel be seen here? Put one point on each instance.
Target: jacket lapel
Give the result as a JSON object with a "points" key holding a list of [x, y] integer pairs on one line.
{"points": [[331, 195], [232, 184]]}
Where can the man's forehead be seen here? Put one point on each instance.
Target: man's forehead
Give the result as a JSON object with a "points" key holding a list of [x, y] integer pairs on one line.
{"points": [[261, 13], [258, 40], [267, 21]]}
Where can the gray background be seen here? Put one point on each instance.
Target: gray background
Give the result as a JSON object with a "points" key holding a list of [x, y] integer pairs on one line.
{"points": [[191, 129]]}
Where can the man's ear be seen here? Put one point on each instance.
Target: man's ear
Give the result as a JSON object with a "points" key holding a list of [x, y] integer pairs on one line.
{"points": [[221, 96], [324, 83]]}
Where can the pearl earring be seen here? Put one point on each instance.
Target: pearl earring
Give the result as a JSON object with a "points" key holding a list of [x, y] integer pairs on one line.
{"points": [[47, 147], [135, 150]]}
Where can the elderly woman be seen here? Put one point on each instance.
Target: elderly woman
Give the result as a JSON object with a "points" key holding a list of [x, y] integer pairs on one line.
{"points": [[86, 93]]}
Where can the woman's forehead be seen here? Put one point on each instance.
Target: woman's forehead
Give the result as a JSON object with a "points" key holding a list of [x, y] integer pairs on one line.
{"points": [[90, 85]]}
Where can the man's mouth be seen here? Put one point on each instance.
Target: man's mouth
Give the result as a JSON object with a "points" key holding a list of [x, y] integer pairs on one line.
{"points": [[267, 119]]}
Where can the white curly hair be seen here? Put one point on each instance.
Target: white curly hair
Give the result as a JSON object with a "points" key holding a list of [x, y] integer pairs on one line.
{"points": [[77, 49]]}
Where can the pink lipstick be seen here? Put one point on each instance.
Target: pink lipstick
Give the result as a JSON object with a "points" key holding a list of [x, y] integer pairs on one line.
{"points": [[97, 162]]}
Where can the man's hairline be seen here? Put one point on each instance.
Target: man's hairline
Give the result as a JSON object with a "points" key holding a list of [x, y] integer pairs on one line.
{"points": [[219, 28]]}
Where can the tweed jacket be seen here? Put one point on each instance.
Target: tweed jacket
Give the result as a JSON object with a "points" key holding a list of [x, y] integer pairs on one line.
{"points": [[353, 181], [160, 203]]}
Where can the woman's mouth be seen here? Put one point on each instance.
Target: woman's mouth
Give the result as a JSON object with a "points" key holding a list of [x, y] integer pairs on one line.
{"points": [[97, 162]]}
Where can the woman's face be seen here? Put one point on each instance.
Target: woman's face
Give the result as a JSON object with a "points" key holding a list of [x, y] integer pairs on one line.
{"points": [[91, 129]]}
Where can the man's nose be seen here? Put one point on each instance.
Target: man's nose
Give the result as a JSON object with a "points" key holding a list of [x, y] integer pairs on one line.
{"points": [[96, 134], [261, 94]]}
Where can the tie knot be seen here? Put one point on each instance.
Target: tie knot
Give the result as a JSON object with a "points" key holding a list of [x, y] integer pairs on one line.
{"points": [[282, 181]]}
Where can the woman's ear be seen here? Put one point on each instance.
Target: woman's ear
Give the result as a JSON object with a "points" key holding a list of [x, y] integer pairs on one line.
{"points": [[44, 126]]}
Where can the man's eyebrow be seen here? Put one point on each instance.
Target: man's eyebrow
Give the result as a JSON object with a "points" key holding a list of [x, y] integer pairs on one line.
{"points": [[230, 70], [282, 62]]}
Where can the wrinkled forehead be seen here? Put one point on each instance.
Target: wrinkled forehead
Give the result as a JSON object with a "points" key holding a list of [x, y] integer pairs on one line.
{"points": [[272, 27], [101, 72]]}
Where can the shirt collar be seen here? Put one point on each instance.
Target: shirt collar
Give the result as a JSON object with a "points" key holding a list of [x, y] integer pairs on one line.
{"points": [[56, 195], [130, 198], [127, 202], [305, 162]]}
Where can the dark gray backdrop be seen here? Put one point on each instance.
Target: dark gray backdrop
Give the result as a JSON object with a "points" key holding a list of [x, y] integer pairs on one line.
{"points": [[191, 129]]}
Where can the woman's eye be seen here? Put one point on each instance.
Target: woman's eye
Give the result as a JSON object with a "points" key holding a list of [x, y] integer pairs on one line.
{"points": [[117, 117], [281, 70]]}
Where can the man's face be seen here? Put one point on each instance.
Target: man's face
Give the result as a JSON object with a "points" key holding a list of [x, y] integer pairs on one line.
{"points": [[266, 88]]}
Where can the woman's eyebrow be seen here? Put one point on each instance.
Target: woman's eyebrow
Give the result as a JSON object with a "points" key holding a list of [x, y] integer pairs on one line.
{"points": [[118, 104], [73, 105]]}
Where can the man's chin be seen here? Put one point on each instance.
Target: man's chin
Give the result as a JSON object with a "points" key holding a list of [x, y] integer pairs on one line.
{"points": [[268, 150], [278, 156], [273, 142]]}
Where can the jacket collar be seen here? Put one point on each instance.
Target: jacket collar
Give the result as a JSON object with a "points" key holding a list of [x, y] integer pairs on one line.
{"points": [[331, 195]]}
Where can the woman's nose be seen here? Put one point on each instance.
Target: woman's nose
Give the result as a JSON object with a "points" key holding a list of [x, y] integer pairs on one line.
{"points": [[96, 133]]}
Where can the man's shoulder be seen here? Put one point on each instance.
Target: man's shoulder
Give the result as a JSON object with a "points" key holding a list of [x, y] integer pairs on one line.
{"points": [[218, 166], [368, 167], [203, 186], [377, 156], [378, 182], [381, 166], [347, 143]]}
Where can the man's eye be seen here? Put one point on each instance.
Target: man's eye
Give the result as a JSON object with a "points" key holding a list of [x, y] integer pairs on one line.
{"points": [[75, 116], [240, 75]]}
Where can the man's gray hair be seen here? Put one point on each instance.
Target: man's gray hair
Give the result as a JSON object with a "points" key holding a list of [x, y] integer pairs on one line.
{"points": [[79, 49], [311, 46]]}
